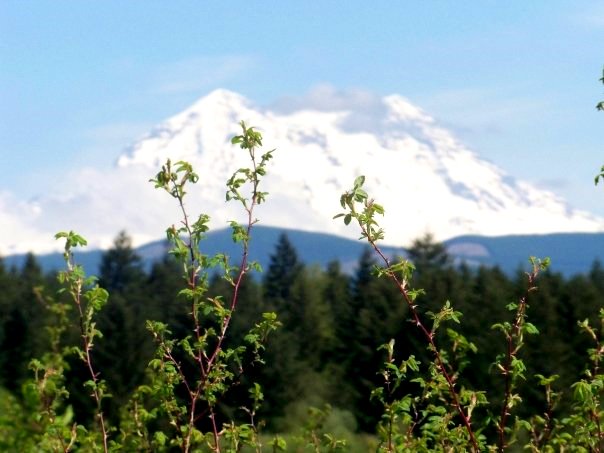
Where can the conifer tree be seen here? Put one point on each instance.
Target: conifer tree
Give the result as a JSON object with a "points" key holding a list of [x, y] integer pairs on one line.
{"points": [[427, 254], [21, 322], [162, 286], [11, 328], [374, 319], [284, 267], [337, 293], [282, 379], [120, 266]]}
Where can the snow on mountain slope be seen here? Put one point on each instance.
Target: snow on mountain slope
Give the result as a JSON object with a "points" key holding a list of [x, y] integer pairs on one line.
{"points": [[426, 180], [424, 177]]}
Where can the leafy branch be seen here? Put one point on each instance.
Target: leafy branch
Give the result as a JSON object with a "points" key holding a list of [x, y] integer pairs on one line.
{"points": [[89, 299], [510, 366], [363, 210], [600, 106], [211, 316]]}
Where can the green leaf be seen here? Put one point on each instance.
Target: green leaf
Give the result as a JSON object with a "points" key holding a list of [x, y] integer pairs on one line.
{"points": [[160, 438], [359, 181], [279, 443], [581, 391]]}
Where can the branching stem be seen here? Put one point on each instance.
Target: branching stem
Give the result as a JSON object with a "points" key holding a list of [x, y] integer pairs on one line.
{"points": [[401, 285]]}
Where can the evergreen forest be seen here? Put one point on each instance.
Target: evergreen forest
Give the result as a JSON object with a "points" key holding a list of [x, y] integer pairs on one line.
{"points": [[326, 353]]}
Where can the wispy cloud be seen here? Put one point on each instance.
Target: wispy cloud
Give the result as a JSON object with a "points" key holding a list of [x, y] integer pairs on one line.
{"points": [[104, 143], [481, 110], [554, 184], [592, 17], [199, 73], [325, 97]]}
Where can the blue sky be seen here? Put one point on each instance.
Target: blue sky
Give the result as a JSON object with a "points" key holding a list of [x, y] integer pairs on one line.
{"points": [[516, 81]]}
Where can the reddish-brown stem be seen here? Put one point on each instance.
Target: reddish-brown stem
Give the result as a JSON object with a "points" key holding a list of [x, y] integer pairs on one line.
{"points": [[594, 414], [77, 297], [542, 439], [215, 432], [511, 352], [191, 423], [401, 285], [243, 265], [205, 363], [47, 401], [390, 429]]}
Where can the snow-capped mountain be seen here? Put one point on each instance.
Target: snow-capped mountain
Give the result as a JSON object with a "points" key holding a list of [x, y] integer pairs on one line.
{"points": [[424, 177]]}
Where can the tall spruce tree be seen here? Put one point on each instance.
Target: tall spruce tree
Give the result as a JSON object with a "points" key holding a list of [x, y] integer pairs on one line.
{"points": [[337, 293], [15, 344], [22, 318], [162, 287], [376, 316], [427, 254], [284, 267], [120, 266], [281, 380]]}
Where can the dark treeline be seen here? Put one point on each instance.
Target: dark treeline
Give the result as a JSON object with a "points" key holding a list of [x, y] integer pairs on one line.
{"points": [[333, 324]]}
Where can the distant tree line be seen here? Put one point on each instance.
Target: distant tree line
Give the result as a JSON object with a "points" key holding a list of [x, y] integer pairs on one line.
{"points": [[333, 324]]}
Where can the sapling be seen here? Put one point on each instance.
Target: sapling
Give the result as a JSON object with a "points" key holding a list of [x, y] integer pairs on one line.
{"points": [[200, 363], [363, 210], [88, 299], [509, 364]]}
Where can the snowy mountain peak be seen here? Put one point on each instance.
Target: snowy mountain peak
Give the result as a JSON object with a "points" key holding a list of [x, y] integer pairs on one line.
{"points": [[218, 100], [402, 109], [426, 179], [216, 110]]}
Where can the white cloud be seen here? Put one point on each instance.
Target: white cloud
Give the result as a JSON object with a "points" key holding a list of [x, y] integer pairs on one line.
{"points": [[327, 98], [104, 143], [554, 184], [20, 227], [97, 204], [481, 110], [102, 203], [196, 74]]}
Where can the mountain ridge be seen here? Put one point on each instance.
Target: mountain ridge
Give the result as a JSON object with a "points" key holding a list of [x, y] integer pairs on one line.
{"points": [[571, 253]]}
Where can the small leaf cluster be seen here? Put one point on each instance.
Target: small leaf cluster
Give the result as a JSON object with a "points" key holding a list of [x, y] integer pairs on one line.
{"points": [[365, 216], [249, 139], [600, 105]]}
